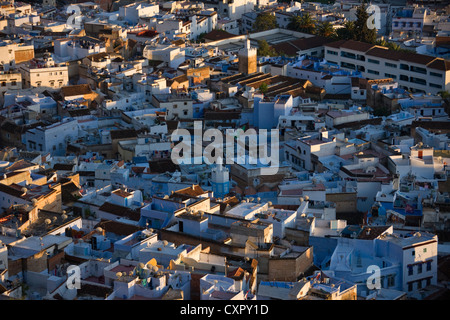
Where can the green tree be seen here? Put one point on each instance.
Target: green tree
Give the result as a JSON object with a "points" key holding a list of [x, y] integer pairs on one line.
{"points": [[265, 21], [264, 49], [347, 32], [362, 31], [444, 94], [304, 23], [263, 88], [391, 45], [325, 29]]}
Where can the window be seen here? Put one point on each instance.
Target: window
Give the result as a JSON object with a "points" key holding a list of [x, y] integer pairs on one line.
{"points": [[373, 61], [334, 53], [413, 253], [429, 266], [404, 66], [391, 280], [433, 85], [410, 286], [418, 81], [390, 65], [419, 70], [419, 268], [348, 65], [434, 74], [348, 55], [373, 72], [410, 271], [388, 75], [419, 284]]}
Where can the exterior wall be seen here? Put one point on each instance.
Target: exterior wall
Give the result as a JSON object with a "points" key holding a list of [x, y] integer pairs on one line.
{"points": [[415, 256], [23, 55], [290, 269], [301, 237], [380, 68], [53, 138], [9, 81], [345, 202], [54, 77], [13, 54], [235, 9]]}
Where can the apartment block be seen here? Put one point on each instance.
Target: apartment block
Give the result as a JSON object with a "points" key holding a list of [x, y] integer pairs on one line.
{"points": [[414, 72]]}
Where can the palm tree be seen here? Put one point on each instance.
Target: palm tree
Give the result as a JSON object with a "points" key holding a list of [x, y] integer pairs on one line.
{"points": [[348, 32], [304, 23], [325, 29]]}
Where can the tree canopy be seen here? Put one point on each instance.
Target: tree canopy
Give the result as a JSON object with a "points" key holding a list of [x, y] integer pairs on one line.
{"points": [[265, 21], [358, 30], [302, 23], [264, 49], [325, 29]]}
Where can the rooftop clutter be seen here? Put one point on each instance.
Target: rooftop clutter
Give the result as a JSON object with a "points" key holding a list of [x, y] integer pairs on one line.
{"points": [[357, 133]]}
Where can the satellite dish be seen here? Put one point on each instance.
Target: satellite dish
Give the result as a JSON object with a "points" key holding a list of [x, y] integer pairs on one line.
{"points": [[119, 275], [306, 198], [165, 243], [99, 230], [301, 199], [64, 216], [48, 221], [141, 265]]}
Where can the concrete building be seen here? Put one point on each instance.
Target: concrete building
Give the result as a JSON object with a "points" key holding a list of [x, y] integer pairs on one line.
{"points": [[133, 12], [414, 72], [52, 138], [43, 75]]}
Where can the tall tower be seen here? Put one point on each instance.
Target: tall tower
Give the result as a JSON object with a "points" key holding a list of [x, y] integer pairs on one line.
{"points": [[247, 58], [220, 179]]}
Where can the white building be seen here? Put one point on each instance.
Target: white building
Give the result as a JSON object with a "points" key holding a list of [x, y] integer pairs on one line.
{"points": [[44, 75], [414, 72], [12, 53], [133, 12], [77, 48], [53, 138], [173, 55]]}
